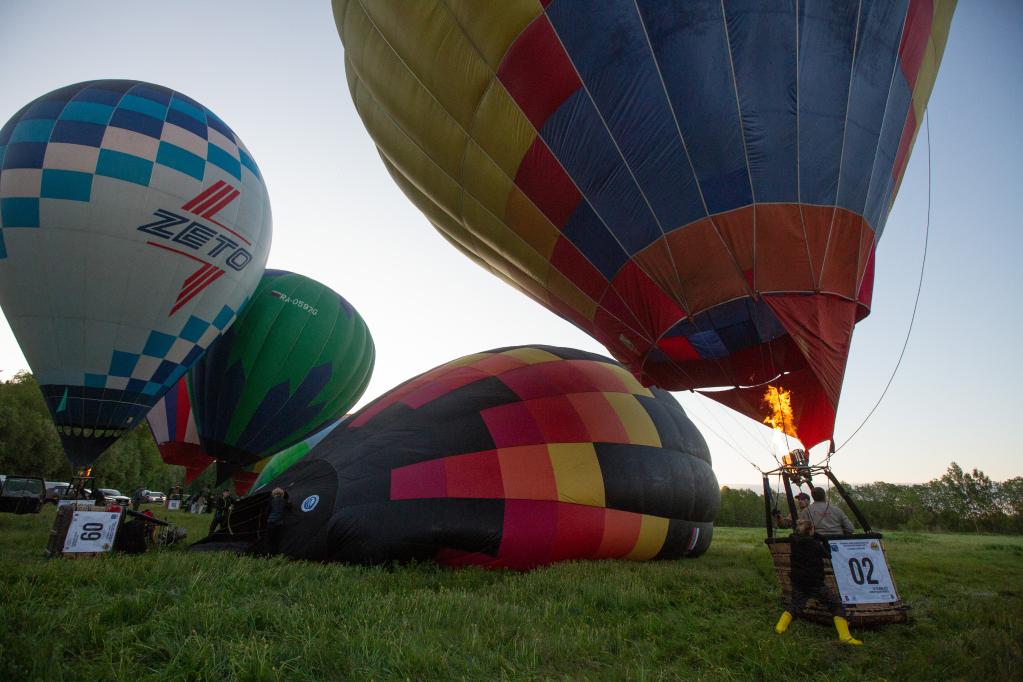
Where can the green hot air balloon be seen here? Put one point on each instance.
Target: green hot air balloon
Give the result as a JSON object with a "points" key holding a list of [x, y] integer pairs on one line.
{"points": [[296, 360]]}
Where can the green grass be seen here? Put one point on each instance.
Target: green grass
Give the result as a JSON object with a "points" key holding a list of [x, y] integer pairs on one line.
{"points": [[175, 615]]}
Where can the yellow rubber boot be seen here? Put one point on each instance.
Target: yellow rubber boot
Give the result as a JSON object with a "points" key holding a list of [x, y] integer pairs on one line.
{"points": [[842, 625], [783, 623]]}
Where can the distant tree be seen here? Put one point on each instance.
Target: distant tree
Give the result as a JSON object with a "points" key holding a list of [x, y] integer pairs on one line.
{"points": [[740, 507]]}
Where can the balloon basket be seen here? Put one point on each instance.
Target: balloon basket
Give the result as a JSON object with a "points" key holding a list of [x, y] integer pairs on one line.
{"points": [[859, 615], [83, 531]]}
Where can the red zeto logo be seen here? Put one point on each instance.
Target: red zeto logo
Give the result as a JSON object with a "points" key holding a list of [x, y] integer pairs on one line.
{"points": [[199, 241]]}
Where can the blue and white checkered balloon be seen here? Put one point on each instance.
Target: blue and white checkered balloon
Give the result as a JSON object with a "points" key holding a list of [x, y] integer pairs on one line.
{"points": [[134, 225]]}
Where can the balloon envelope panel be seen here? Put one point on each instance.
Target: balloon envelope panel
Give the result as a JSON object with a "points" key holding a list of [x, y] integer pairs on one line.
{"points": [[134, 225], [299, 356], [699, 185], [515, 458]]}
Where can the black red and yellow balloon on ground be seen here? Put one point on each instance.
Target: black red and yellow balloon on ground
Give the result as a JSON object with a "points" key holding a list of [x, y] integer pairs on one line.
{"points": [[516, 457]]}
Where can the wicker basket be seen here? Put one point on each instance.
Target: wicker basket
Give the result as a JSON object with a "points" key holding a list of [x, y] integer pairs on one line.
{"points": [[858, 615]]}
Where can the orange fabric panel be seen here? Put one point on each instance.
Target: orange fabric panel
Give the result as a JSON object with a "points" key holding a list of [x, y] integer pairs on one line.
{"points": [[705, 265], [782, 258], [527, 473], [841, 262], [736, 229], [621, 529], [656, 262], [600, 418]]}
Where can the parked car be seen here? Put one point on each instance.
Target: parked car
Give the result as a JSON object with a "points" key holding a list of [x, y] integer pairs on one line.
{"points": [[115, 496], [55, 490], [153, 496], [22, 494]]}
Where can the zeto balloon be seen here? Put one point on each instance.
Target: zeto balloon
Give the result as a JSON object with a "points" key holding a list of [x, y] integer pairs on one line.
{"points": [[699, 185], [135, 225]]}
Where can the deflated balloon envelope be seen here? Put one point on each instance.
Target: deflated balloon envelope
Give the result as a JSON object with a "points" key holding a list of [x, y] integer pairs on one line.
{"points": [[699, 185], [297, 359], [135, 225], [514, 457]]}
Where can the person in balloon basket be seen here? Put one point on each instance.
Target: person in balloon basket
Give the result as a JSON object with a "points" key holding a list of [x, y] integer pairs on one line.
{"points": [[221, 511], [802, 502], [807, 576], [826, 518], [136, 499], [279, 506]]}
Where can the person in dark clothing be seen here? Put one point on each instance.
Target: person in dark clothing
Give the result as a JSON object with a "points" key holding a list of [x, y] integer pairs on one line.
{"points": [[807, 574], [136, 498], [279, 506], [98, 498], [221, 511]]}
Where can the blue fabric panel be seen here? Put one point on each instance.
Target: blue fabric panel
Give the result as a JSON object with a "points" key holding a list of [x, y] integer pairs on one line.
{"points": [[221, 158], [19, 212], [194, 329], [32, 130], [763, 41], [589, 235], [44, 108], [625, 85], [3, 245], [180, 159], [114, 164], [25, 155], [189, 107], [690, 45], [143, 105], [8, 129], [738, 336], [223, 318], [87, 112], [187, 122], [98, 95], [213, 122], [152, 388], [249, 163], [827, 31], [123, 364], [165, 369], [578, 138], [899, 102], [140, 123], [174, 376], [95, 380], [78, 132], [192, 355], [708, 344], [158, 344], [876, 55], [65, 184], [156, 93]]}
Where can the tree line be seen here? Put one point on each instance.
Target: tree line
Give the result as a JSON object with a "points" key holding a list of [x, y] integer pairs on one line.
{"points": [[30, 446], [958, 501]]}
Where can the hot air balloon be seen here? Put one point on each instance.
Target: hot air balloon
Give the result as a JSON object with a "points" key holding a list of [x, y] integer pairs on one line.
{"points": [[698, 185], [173, 427], [135, 225], [273, 467], [297, 359], [515, 457]]}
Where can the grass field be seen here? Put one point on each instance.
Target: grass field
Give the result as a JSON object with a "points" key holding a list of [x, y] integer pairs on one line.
{"points": [[175, 615]]}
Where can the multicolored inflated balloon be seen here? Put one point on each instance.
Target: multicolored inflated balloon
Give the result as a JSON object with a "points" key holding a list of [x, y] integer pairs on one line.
{"points": [[297, 359], [134, 225], [699, 185], [515, 457], [273, 467]]}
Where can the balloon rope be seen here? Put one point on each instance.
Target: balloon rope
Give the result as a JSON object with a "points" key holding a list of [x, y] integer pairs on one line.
{"points": [[919, 288], [725, 441]]}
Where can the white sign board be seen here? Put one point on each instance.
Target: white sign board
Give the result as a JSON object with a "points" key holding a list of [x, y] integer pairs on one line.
{"points": [[173, 504], [92, 531], [76, 503], [861, 571]]}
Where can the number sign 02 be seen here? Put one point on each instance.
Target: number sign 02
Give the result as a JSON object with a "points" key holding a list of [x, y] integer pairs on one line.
{"points": [[862, 572]]}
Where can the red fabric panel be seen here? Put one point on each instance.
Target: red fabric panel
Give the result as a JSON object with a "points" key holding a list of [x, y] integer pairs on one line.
{"points": [[866, 287], [678, 348], [579, 533], [184, 409], [243, 481], [817, 223], [474, 475], [542, 179], [902, 157], [419, 480], [782, 256], [528, 535], [822, 327], [621, 530], [527, 473], [839, 275], [708, 267], [656, 262], [512, 425], [188, 455], [654, 309], [570, 262], [558, 420], [558, 378], [537, 73], [600, 419], [452, 379], [735, 228], [915, 34]]}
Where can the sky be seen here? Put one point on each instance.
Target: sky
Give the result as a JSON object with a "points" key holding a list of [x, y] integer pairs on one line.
{"points": [[274, 72]]}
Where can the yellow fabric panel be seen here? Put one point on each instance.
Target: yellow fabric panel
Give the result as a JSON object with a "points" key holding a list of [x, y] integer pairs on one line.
{"points": [[488, 184], [573, 296], [634, 418], [530, 223], [577, 473], [531, 356], [388, 80], [425, 36], [502, 130], [630, 381], [652, 533], [501, 240], [940, 25], [494, 30], [468, 360]]}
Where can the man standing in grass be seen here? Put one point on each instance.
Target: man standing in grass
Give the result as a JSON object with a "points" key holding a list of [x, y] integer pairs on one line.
{"points": [[221, 510], [826, 518], [807, 575]]}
